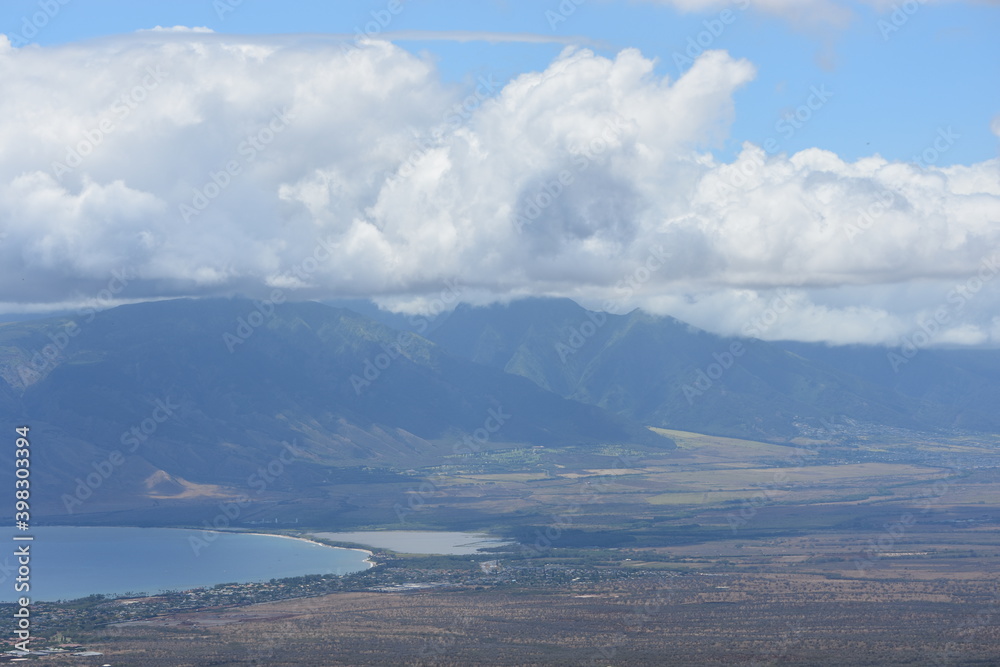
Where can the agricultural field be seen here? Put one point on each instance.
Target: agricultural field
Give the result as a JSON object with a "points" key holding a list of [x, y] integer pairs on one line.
{"points": [[722, 551]]}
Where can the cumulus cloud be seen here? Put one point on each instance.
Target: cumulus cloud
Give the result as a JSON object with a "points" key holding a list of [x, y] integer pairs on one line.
{"points": [[200, 164]]}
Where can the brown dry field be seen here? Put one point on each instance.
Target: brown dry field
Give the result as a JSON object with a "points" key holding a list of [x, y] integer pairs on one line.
{"points": [[708, 619], [844, 564]]}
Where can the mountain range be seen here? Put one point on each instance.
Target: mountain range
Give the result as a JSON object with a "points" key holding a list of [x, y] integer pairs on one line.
{"points": [[662, 372], [182, 399]]}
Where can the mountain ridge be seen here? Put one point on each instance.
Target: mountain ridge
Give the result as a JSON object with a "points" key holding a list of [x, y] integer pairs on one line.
{"points": [[666, 373], [293, 378]]}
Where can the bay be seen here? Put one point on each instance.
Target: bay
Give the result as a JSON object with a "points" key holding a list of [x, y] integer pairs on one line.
{"points": [[72, 562]]}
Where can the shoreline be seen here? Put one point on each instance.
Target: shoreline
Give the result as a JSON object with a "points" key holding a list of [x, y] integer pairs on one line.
{"points": [[235, 531], [368, 560]]}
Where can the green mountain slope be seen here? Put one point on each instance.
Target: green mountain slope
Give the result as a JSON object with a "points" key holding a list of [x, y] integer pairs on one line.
{"points": [[662, 372], [204, 392]]}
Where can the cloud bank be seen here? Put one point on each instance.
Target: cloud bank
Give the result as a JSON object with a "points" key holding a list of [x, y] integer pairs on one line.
{"points": [[194, 164]]}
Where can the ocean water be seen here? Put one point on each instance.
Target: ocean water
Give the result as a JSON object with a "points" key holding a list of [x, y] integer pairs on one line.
{"points": [[71, 562]]}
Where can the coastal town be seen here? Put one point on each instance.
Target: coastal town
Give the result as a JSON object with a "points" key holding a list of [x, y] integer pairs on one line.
{"points": [[62, 621]]}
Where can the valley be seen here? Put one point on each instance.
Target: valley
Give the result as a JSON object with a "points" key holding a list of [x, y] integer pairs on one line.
{"points": [[809, 532], [724, 550]]}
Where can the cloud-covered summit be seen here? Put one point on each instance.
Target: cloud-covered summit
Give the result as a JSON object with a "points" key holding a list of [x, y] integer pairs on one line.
{"points": [[198, 164]]}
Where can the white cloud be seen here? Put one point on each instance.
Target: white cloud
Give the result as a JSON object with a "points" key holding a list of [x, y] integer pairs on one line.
{"points": [[557, 183]]}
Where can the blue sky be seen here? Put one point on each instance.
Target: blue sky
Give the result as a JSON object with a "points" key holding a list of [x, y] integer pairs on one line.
{"points": [[941, 68], [838, 155]]}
